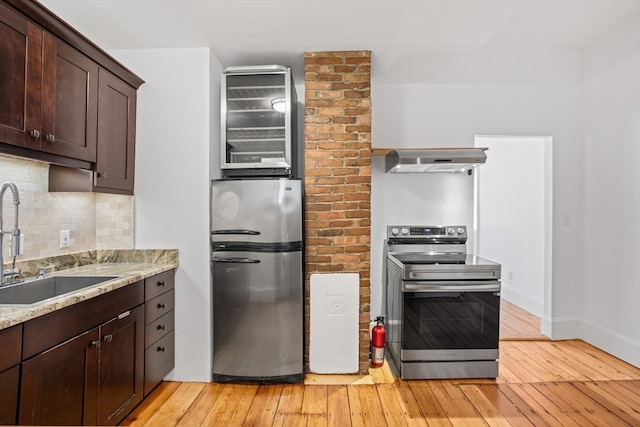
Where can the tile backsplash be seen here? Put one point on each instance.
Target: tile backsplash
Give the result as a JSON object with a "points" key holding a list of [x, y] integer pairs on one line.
{"points": [[95, 220]]}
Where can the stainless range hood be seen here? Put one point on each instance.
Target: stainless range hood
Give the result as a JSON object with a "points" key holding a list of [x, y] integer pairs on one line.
{"points": [[434, 160]]}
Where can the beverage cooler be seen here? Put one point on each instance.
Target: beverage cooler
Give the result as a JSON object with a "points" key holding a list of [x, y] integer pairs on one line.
{"points": [[259, 132]]}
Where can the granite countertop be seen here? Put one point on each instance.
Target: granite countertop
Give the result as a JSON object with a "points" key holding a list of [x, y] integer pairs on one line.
{"points": [[130, 266]]}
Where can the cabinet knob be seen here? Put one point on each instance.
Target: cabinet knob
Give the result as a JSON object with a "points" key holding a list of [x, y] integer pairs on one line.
{"points": [[161, 283], [50, 137], [161, 349], [95, 344], [101, 174], [160, 305], [161, 327], [34, 134], [107, 338]]}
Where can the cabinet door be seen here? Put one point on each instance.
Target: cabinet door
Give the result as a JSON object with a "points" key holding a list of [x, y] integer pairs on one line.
{"points": [[116, 134], [69, 101], [55, 383], [121, 366], [9, 384], [20, 79]]}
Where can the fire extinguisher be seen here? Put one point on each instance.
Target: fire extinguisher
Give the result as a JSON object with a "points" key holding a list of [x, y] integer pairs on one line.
{"points": [[377, 343]]}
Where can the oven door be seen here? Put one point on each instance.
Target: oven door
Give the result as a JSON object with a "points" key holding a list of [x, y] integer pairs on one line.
{"points": [[450, 320]]}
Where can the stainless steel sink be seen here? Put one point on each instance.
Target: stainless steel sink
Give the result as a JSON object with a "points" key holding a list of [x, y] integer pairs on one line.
{"points": [[34, 291]]}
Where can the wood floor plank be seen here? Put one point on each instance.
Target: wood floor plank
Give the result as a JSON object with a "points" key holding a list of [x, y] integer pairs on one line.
{"points": [[565, 403], [457, 407], [314, 400], [392, 406], [628, 411], [595, 412], [291, 399], [523, 406], [176, 405], [506, 407], [355, 408], [410, 406], [430, 407], [290, 420], [517, 363], [199, 409], [483, 405], [563, 363], [548, 370], [372, 412], [599, 363], [529, 395], [230, 398], [239, 413], [338, 414], [622, 369], [151, 404], [264, 405]]}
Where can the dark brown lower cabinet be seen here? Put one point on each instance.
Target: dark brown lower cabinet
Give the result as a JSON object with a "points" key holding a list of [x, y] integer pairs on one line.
{"points": [[9, 384], [56, 382], [95, 378]]}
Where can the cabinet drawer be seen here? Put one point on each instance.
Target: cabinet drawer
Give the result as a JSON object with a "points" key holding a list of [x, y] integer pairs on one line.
{"points": [[158, 307], [158, 361], [11, 345], [158, 328], [158, 284]]}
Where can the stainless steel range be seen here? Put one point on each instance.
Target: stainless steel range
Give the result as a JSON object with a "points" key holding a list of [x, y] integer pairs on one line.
{"points": [[443, 305]]}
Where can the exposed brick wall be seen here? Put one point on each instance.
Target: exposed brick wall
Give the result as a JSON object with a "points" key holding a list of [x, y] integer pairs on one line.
{"points": [[338, 175]]}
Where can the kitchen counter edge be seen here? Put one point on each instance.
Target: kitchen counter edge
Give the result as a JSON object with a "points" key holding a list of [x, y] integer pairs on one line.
{"points": [[128, 273]]}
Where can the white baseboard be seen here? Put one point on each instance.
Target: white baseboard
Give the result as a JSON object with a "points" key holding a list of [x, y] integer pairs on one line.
{"points": [[522, 299], [620, 346]]}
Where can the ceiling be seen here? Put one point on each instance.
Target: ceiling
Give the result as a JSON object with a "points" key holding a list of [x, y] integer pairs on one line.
{"points": [[403, 35]]}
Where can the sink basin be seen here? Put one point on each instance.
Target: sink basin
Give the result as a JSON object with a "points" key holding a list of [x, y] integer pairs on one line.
{"points": [[37, 290]]}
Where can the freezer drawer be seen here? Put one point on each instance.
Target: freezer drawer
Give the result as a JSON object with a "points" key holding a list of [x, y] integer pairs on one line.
{"points": [[257, 315], [256, 210]]}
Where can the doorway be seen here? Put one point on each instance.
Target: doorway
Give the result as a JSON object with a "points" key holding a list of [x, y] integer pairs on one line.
{"points": [[513, 216]]}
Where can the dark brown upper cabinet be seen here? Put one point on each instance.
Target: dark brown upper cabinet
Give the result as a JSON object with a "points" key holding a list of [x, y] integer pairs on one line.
{"points": [[51, 91], [115, 161], [21, 44], [64, 101]]}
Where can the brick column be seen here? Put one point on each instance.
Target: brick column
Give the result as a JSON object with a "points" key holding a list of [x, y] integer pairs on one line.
{"points": [[338, 175]]}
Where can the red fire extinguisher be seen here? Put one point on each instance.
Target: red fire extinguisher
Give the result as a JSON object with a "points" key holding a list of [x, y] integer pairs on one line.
{"points": [[377, 343]]}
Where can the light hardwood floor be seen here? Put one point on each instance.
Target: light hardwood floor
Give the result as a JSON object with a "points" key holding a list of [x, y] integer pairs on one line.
{"points": [[541, 383]]}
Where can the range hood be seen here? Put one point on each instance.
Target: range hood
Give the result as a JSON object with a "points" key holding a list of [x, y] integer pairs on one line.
{"points": [[434, 160]]}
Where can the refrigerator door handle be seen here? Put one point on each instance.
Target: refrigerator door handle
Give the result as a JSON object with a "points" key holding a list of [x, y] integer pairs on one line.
{"points": [[236, 231], [236, 260]]}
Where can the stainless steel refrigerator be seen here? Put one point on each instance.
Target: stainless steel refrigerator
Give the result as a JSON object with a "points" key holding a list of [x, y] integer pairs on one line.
{"points": [[257, 280]]}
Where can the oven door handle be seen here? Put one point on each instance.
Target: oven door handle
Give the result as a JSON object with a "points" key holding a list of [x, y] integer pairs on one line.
{"points": [[456, 286]]}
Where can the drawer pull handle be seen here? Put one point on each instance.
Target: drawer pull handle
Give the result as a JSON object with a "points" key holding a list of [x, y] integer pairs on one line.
{"points": [[95, 344], [107, 338], [161, 306], [161, 349], [34, 133], [161, 283], [50, 137], [161, 327]]}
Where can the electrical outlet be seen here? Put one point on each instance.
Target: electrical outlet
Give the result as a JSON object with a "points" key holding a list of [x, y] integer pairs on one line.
{"points": [[65, 238]]}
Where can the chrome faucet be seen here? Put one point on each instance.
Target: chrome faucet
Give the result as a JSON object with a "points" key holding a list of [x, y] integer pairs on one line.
{"points": [[15, 233]]}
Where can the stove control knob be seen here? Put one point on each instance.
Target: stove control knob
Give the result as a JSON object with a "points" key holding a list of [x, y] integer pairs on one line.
{"points": [[405, 231], [451, 231], [394, 231], [460, 230]]}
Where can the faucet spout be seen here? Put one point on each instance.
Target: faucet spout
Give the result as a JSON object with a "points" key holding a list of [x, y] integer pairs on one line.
{"points": [[15, 233]]}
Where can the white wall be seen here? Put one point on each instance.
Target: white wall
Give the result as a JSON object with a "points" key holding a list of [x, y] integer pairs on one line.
{"points": [[526, 95], [511, 206], [610, 291], [175, 125]]}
